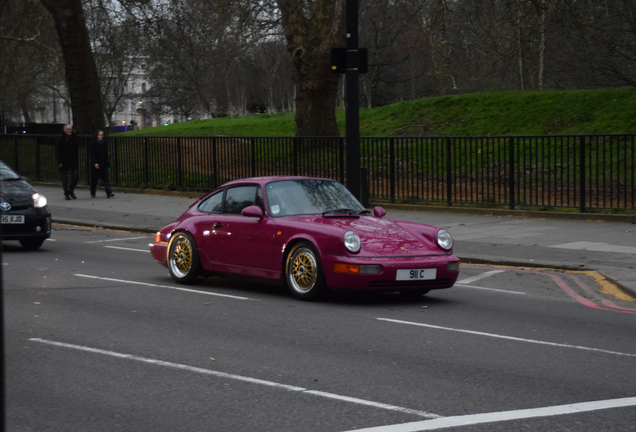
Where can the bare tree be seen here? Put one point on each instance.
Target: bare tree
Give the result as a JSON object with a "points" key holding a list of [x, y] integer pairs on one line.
{"points": [[391, 31], [112, 30], [29, 58], [312, 28], [271, 59], [81, 72]]}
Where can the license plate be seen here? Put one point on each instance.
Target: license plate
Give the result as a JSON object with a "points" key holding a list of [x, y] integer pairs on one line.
{"points": [[12, 219], [416, 274]]}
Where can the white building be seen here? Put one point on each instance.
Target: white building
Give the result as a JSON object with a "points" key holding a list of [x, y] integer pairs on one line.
{"points": [[135, 109]]}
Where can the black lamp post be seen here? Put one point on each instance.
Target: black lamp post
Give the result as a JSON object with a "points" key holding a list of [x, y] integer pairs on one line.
{"points": [[352, 103]]}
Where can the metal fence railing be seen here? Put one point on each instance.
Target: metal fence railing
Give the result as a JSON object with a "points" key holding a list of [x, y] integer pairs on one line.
{"points": [[587, 172]]}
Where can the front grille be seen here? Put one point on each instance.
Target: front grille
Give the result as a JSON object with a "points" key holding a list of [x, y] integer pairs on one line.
{"points": [[19, 228], [18, 208]]}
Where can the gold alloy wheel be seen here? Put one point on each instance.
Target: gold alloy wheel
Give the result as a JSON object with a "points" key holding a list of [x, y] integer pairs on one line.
{"points": [[181, 256], [304, 270]]}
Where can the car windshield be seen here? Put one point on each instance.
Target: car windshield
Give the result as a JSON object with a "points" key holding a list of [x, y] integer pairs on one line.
{"points": [[7, 173], [310, 196]]}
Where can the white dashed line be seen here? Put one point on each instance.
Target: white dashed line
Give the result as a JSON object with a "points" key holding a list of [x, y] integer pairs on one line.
{"points": [[479, 276], [125, 248], [489, 289], [118, 239], [474, 419], [250, 380], [508, 337], [162, 286]]}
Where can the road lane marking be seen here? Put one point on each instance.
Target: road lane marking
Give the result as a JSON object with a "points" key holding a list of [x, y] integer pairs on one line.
{"points": [[250, 380], [508, 337], [125, 248], [584, 301], [489, 289], [475, 419], [112, 240], [161, 286], [591, 293], [479, 276]]}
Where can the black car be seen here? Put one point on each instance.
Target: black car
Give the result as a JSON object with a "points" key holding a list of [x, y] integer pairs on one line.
{"points": [[25, 214]]}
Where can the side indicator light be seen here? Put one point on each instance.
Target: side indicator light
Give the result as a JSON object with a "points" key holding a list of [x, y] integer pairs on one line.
{"points": [[346, 268]]}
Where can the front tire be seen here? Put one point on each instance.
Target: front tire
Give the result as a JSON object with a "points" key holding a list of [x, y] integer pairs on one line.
{"points": [[32, 244], [183, 259], [303, 272]]}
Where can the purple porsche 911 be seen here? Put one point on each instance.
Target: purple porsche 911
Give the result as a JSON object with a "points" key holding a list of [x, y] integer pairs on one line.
{"points": [[308, 233]]}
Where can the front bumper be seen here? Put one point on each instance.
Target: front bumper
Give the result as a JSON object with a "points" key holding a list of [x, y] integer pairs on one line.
{"points": [[386, 279], [37, 224]]}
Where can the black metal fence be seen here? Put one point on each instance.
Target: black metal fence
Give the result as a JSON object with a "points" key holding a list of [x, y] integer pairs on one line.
{"points": [[587, 172]]}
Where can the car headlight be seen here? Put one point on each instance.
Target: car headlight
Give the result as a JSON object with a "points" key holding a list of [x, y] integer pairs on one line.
{"points": [[352, 241], [444, 239], [39, 201]]}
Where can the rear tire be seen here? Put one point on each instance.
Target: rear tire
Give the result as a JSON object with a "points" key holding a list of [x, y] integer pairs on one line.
{"points": [[183, 259], [32, 244], [303, 272]]}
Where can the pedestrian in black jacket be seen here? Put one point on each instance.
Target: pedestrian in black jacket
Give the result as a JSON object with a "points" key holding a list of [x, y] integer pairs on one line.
{"points": [[98, 151], [66, 152]]}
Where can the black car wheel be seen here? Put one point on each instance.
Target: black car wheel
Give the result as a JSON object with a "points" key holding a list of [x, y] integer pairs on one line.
{"points": [[303, 272], [32, 244], [183, 259]]}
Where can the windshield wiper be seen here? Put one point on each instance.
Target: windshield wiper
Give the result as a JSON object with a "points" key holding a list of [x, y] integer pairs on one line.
{"points": [[345, 211], [339, 211]]}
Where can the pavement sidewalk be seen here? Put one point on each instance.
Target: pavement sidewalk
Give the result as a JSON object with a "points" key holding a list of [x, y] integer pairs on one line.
{"points": [[605, 244]]}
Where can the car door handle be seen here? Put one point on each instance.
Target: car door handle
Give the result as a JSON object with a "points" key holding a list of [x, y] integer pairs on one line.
{"points": [[217, 225]]}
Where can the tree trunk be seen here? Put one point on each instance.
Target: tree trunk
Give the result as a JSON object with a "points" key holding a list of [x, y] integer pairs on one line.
{"points": [[81, 72], [543, 12], [518, 23], [311, 31], [438, 43]]}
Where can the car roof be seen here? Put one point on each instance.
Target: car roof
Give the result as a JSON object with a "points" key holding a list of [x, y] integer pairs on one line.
{"points": [[267, 179]]}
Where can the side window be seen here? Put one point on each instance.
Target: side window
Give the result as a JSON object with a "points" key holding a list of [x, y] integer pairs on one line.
{"points": [[259, 199], [236, 199], [212, 204]]}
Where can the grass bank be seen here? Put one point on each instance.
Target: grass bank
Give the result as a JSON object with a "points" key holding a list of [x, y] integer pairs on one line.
{"points": [[476, 114]]}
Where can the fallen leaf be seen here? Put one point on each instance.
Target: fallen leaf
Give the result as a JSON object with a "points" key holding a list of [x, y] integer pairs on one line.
{"points": [[211, 359]]}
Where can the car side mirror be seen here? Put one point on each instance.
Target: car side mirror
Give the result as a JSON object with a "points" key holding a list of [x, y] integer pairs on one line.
{"points": [[253, 211], [379, 212]]}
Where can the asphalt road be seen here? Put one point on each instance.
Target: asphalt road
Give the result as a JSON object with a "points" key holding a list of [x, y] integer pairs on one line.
{"points": [[99, 338]]}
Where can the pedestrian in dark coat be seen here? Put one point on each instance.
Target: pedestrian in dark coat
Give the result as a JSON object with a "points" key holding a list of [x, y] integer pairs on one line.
{"points": [[100, 165], [67, 155]]}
